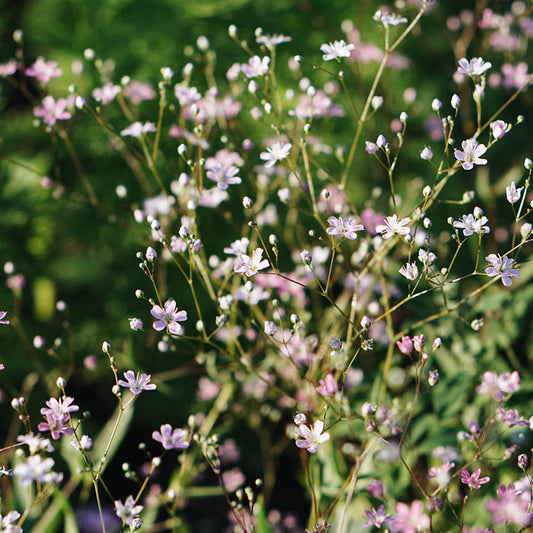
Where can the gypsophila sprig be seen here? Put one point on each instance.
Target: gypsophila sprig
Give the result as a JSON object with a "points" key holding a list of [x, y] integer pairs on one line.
{"points": [[470, 155], [344, 306], [277, 152], [475, 67], [137, 382], [394, 226], [501, 266], [171, 439], [312, 436], [336, 50], [250, 266], [343, 227], [168, 317], [128, 511]]}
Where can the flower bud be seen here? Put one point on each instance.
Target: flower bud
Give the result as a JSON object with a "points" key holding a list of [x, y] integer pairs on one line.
{"points": [[436, 105], [247, 202], [365, 322], [433, 377]]}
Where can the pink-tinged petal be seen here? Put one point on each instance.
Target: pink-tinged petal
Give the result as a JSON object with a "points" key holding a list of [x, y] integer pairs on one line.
{"points": [[323, 438], [180, 316], [318, 427], [302, 443], [129, 375], [157, 312], [170, 306], [304, 431], [175, 329], [159, 325]]}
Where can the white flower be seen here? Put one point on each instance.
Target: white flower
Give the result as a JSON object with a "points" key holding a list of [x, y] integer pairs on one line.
{"points": [[137, 129], [409, 271], [426, 153], [251, 265], [256, 66], [513, 194], [476, 66], [6, 522], [471, 153], [501, 266], [393, 225], [311, 437], [392, 20], [277, 152], [36, 469], [128, 511], [335, 50], [471, 224]]}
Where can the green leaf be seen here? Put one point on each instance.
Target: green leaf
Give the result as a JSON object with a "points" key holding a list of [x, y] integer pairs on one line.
{"points": [[261, 525], [51, 518]]}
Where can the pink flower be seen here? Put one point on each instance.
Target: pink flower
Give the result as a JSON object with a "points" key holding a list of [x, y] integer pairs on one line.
{"points": [[501, 266], [441, 474], [511, 507], [2, 315], [128, 511], [377, 518], [256, 66], [106, 94], [52, 111], [328, 386], [251, 265], [473, 480], [409, 271], [343, 227], [471, 153], [498, 128], [43, 70], [171, 439], [207, 389], [475, 67], [311, 437], [138, 91], [168, 317], [410, 519], [393, 225], [7, 522], [58, 417], [9, 68], [137, 383]]}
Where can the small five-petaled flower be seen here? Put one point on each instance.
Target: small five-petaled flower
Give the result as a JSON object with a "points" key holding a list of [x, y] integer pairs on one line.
{"points": [[137, 383], [473, 480], [471, 154], [251, 265], [475, 67], [335, 50], [344, 227], [501, 266], [393, 225], [311, 436], [171, 439], [168, 317]]}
